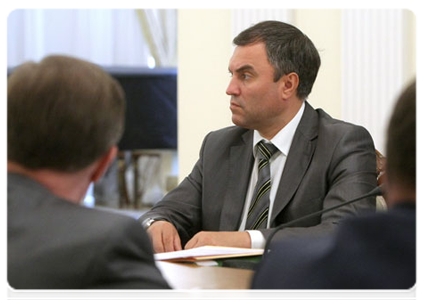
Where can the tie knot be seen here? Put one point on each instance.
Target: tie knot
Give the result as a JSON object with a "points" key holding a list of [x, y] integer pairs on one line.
{"points": [[266, 150]]}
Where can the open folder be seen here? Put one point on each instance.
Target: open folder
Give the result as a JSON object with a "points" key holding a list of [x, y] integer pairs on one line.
{"points": [[207, 253]]}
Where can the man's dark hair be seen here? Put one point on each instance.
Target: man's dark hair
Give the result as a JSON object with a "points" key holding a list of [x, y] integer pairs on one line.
{"points": [[63, 113], [288, 50], [401, 144]]}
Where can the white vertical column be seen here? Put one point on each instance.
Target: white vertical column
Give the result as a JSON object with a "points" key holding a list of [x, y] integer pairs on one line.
{"points": [[373, 54], [244, 18]]}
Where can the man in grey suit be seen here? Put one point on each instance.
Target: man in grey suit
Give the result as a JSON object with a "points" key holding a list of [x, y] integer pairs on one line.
{"points": [[65, 117], [281, 161]]}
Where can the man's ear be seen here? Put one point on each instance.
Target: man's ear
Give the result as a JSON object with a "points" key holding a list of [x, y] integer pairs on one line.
{"points": [[103, 163], [289, 85]]}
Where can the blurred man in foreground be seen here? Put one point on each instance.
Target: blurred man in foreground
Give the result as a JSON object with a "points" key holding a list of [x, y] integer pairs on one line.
{"points": [[65, 117]]}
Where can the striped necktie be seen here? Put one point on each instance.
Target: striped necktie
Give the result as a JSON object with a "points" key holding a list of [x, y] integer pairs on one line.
{"points": [[259, 207]]}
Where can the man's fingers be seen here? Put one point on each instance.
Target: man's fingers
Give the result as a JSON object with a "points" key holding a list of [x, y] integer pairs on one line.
{"points": [[157, 244], [177, 243], [164, 236], [229, 239], [192, 243], [189, 244], [168, 238]]}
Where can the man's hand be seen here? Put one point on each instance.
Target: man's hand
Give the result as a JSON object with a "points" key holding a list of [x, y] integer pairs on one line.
{"points": [[164, 237], [224, 238]]}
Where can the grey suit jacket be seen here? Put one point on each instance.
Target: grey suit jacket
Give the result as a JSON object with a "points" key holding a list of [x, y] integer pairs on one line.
{"points": [[55, 244], [329, 162]]}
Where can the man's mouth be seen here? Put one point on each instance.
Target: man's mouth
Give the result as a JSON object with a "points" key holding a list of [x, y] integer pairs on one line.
{"points": [[234, 104]]}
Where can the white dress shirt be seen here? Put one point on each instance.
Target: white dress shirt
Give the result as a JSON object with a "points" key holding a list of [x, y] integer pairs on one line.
{"points": [[282, 140]]}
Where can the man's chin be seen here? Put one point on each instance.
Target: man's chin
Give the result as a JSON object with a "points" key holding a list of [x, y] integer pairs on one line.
{"points": [[239, 122], [235, 120]]}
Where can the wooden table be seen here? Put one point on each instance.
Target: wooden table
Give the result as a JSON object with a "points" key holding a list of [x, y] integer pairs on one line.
{"points": [[192, 276]]}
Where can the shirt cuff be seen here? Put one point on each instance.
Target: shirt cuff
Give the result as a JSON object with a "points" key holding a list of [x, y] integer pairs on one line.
{"points": [[257, 239]]}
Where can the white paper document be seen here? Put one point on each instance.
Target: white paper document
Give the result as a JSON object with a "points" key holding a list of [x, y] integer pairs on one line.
{"points": [[207, 252]]}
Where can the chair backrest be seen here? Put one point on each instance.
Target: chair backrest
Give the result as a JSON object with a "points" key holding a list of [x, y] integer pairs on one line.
{"points": [[380, 167], [380, 171]]}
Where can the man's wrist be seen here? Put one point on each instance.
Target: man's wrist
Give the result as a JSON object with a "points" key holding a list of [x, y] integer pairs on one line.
{"points": [[149, 221], [257, 239]]}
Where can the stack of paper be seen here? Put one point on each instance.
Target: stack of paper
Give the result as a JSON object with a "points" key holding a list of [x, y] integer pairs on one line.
{"points": [[207, 253]]}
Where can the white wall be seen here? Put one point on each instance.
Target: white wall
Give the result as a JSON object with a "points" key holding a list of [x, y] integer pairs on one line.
{"points": [[321, 25], [323, 28], [204, 49]]}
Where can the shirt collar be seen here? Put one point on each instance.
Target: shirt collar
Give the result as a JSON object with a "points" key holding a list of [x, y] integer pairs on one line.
{"points": [[283, 139]]}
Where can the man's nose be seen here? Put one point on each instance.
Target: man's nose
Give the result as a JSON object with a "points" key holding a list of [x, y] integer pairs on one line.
{"points": [[233, 88]]}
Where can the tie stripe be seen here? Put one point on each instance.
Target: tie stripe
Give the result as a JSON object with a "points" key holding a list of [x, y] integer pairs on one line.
{"points": [[258, 211], [263, 189], [264, 151], [262, 164], [263, 217]]}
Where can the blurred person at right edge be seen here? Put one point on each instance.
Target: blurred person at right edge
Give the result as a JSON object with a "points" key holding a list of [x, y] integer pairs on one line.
{"points": [[377, 251]]}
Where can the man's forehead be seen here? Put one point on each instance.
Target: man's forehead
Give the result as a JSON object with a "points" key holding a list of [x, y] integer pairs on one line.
{"points": [[247, 57]]}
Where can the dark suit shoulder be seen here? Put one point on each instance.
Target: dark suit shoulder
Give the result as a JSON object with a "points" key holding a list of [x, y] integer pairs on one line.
{"points": [[222, 140], [335, 126], [231, 133], [354, 257], [32, 207], [317, 123], [399, 222], [86, 248]]}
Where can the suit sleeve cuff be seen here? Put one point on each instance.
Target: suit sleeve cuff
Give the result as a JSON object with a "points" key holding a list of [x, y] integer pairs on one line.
{"points": [[257, 239]]}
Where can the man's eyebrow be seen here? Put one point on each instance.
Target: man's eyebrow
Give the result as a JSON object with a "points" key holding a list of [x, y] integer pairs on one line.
{"points": [[243, 69]]}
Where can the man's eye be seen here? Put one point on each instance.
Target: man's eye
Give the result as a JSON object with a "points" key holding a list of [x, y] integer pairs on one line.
{"points": [[245, 76]]}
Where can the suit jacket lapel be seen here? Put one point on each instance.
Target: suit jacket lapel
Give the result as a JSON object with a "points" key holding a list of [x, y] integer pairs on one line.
{"points": [[298, 160], [241, 162]]}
